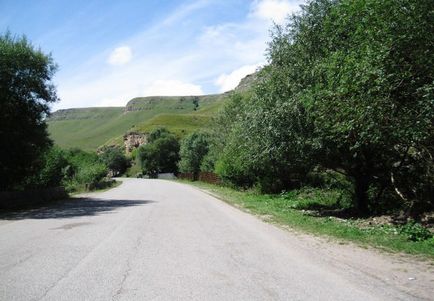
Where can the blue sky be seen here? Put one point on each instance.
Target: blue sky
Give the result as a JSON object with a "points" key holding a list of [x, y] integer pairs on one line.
{"points": [[111, 51]]}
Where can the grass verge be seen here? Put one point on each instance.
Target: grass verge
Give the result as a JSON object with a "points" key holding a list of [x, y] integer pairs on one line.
{"points": [[287, 210]]}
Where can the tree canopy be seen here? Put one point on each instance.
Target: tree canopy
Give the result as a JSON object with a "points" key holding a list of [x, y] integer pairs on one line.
{"points": [[349, 87], [26, 90]]}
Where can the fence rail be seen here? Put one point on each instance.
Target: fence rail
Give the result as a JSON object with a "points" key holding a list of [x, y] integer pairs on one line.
{"points": [[207, 177]]}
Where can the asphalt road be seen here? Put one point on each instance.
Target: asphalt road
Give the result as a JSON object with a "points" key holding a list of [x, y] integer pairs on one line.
{"points": [[160, 240]]}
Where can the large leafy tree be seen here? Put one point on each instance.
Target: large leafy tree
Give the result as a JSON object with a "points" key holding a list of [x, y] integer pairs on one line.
{"points": [[26, 90], [370, 99], [349, 87]]}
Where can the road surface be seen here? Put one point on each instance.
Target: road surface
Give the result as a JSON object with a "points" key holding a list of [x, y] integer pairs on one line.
{"points": [[160, 240]]}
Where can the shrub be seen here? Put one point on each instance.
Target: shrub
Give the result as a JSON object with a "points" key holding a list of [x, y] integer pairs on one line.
{"points": [[415, 232], [115, 160]]}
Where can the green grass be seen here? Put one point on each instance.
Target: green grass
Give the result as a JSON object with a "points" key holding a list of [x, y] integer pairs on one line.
{"points": [[290, 210], [180, 124], [89, 128]]}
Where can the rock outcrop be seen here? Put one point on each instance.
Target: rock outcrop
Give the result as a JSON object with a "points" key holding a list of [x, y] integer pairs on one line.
{"points": [[133, 140]]}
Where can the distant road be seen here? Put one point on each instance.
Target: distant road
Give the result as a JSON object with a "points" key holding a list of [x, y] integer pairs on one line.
{"points": [[160, 240]]}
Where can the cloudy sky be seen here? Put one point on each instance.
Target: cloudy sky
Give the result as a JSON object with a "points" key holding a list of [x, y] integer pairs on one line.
{"points": [[111, 51]]}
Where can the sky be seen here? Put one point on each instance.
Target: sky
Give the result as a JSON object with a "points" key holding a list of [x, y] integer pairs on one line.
{"points": [[109, 52]]}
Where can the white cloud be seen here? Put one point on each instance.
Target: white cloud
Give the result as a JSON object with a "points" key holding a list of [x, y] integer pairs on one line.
{"points": [[172, 88], [227, 82], [120, 56], [275, 10], [165, 64]]}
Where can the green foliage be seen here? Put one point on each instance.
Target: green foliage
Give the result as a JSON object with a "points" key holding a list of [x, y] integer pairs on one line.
{"points": [[160, 154], [316, 199], [26, 90], [75, 169], [415, 232], [91, 174], [53, 168], [115, 160], [366, 93], [158, 133], [349, 87], [194, 148], [85, 170]]}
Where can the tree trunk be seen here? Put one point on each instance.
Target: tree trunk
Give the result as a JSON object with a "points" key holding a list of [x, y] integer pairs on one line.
{"points": [[361, 186]]}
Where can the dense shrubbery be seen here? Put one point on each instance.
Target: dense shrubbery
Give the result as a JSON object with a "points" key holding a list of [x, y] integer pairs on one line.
{"points": [[75, 169], [53, 170], [84, 171], [349, 88]]}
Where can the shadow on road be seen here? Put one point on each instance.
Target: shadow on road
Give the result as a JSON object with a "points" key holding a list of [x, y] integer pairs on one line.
{"points": [[71, 208]]}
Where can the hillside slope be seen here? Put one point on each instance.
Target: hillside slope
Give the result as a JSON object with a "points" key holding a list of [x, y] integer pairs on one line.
{"points": [[89, 128]]}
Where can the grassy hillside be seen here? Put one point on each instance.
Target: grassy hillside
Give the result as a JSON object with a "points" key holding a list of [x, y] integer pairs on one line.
{"points": [[89, 128]]}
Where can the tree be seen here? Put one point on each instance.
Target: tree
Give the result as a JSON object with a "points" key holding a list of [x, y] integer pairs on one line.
{"points": [[26, 90], [371, 100], [194, 148], [195, 103], [349, 87], [115, 160], [160, 154]]}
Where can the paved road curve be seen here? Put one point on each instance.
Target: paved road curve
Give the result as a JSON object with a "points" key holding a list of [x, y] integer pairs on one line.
{"points": [[159, 240]]}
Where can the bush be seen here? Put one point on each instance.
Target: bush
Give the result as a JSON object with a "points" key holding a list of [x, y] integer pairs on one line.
{"points": [[115, 160], [91, 174], [84, 171], [54, 168], [415, 232]]}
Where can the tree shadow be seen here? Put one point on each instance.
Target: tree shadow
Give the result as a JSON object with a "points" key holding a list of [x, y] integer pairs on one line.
{"points": [[70, 208]]}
